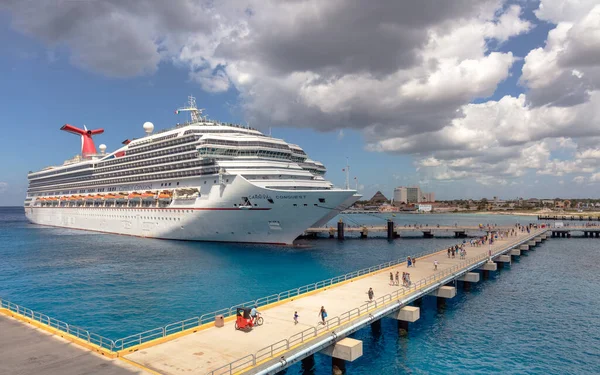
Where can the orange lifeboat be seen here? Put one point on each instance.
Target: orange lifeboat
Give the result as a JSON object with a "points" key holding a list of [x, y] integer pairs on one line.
{"points": [[134, 195], [110, 196], [165, 194], [148, 195]]}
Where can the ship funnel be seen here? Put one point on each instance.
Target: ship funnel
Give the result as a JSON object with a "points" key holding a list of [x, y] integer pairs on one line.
{"points": [[87, 143]]}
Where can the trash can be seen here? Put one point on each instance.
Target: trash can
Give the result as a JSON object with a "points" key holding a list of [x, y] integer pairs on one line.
{"points": [[219, 321]]}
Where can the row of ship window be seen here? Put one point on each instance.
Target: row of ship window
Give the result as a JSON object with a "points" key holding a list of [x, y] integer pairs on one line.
{"points": [[128, 158], [167, 167], [242, 143], [141, 217], [148, 140], [156, 145], [87, 174], [223, 131], [162, 176], [173, 157], [216, 152], [129, 152], [57, 171], [203, 151]]}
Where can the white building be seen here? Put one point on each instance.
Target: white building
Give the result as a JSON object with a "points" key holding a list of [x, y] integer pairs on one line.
{"points": [[400, 195], [412, 194]]}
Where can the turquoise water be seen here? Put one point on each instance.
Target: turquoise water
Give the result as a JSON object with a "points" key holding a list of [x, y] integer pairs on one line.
{"points": [[537, 317]]}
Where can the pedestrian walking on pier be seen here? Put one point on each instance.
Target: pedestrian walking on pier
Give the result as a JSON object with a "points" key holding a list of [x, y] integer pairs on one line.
{"points": [[295, 317], [323, 314], [391, 279], [397, 278], [449, 252], [409, 262], [371, 294], [414, 262], [435, 264]]}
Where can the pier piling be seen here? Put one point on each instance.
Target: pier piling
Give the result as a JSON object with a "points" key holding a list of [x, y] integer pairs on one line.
{"points": [[407, 314], [340, 231], [347, 349], [308, 364], [390, 230]]}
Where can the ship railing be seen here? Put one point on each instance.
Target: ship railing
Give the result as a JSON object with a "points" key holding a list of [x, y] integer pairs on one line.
{"points": [[59, 325], [197, 321]]}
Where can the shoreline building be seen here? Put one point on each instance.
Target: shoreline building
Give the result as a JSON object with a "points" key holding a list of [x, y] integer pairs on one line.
{"points": [[412, 194]]}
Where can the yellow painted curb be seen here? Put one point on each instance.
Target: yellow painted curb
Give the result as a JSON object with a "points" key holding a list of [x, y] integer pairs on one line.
{"points": [[67, 336]]}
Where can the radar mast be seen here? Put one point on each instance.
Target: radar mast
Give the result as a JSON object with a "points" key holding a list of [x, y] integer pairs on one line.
{"points": [[195, 113]]}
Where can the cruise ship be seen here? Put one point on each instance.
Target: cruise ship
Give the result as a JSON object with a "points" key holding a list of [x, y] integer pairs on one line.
{"points": [[202, 180]]}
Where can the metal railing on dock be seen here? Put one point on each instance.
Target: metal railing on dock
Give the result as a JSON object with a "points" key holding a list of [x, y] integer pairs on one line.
{"points": [[346, 318], [59, 325], [173, 328], [208, 318]]}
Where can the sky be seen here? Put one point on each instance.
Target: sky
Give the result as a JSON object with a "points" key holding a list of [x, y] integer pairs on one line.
{"points": [[466, 98]]}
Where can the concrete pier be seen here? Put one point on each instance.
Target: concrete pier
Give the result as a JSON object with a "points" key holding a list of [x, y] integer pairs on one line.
{"points": [[469, 277], [524, 247], [197, 346], [489, 266], [391, 233], [503, 260], [26, 350], [515, 252], [340, 230], [345, 350], [427, 231], [445, 292], [407, 314]]}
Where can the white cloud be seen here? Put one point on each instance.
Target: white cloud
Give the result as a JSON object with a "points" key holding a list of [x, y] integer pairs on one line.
{"points": [[3, 187], [567, 69], [404, 72], [579, 180], [429, 162]]}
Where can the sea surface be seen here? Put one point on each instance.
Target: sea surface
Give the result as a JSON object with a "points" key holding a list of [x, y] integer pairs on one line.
{"points": [[538, 316]]}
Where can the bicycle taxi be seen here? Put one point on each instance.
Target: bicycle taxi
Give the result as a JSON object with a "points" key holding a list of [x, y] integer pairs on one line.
{"points": [[243, 319]]}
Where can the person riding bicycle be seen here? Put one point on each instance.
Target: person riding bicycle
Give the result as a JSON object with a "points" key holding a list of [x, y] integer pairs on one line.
{"points": [[254, 313]]}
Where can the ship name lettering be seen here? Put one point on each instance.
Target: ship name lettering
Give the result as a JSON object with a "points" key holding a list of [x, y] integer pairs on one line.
{"points": [[260, 196]]}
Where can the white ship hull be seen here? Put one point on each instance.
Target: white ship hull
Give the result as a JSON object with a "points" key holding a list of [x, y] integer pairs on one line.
{"points": [[214, 216]]}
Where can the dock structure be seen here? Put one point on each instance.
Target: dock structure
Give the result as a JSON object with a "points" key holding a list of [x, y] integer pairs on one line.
{"points": [[210, 344], [565, 231], [280, 343], [393, 231], [569, 217], [28, 350]]}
